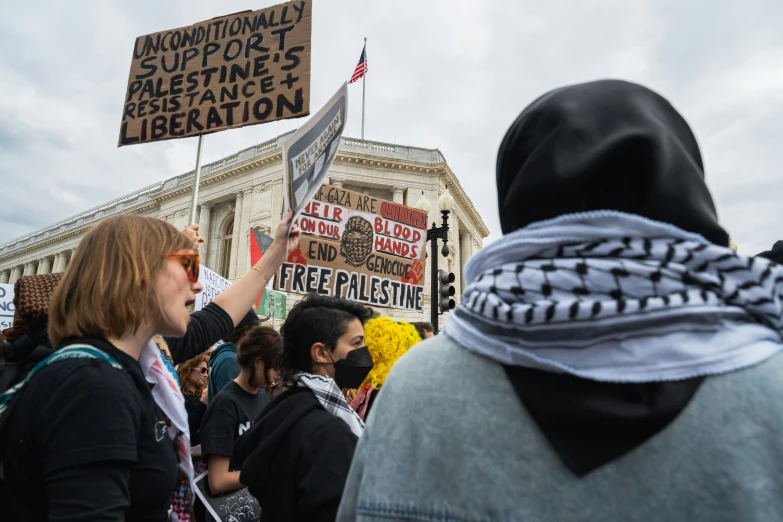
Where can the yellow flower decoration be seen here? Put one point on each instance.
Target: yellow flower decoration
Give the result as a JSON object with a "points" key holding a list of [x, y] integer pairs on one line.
{"points": [[387, 341]]}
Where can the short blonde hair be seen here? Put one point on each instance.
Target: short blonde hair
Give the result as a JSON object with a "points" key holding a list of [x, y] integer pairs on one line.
{"points": [[109, 287]]}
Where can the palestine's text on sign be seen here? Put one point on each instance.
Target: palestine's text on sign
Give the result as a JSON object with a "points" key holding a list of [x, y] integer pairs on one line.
{"points": [[361, 248], [243, 69]]}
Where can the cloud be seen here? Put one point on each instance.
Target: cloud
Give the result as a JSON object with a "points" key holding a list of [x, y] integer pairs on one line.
{"points": [[443, 74]]}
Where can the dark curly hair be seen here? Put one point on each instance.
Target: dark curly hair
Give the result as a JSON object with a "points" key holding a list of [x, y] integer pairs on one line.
{"points": [[316, 319]]}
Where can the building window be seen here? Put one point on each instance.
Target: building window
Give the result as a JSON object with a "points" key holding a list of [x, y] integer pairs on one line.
{"points": [[225, 247]]}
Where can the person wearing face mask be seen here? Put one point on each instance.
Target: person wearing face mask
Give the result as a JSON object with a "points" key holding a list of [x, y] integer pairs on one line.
{"points": [[236, 406], [296, 456], [612, 358]]}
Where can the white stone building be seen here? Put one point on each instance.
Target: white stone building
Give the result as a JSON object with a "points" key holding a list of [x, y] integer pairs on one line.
{"points": [[244, 190]]}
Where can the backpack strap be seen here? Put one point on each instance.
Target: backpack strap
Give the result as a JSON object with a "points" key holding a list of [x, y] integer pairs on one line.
{"points": [[73, 351]]}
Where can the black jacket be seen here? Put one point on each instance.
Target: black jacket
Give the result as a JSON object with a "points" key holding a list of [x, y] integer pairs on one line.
{"points": [[196, 410], [295, 458]]}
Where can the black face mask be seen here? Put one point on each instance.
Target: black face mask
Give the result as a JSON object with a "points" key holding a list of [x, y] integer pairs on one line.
{"points": [[351, 371]]}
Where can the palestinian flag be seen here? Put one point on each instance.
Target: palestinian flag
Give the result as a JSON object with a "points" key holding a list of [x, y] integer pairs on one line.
{"points": [[259, 243]]}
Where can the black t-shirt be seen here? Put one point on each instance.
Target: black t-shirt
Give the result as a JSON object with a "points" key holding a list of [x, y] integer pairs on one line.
{"points": [[87, 442], [229, 415], [196, 410]]}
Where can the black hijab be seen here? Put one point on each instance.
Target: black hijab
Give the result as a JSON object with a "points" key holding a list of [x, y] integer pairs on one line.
{"points": [[604, 145]]}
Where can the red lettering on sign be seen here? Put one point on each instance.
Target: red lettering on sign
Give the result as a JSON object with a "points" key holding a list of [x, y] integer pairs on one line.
{"points": [[306, 224], [405, 215], [393, 246]]}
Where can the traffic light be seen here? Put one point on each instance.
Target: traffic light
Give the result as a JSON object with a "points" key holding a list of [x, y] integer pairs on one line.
{"points": [[446, 291]]}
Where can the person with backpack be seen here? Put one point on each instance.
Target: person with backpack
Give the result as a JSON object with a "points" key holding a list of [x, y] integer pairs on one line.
{"points": [[99, 446]]}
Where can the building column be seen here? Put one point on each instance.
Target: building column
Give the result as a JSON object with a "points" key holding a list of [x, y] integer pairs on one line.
{"points": [[243, 234], [203, 229], [466, 250], [397, 195], [47, 266], [336, 182], [65, 259], [5, 275], [56, 264], [232, 264], [28, 269], [15, 274]]}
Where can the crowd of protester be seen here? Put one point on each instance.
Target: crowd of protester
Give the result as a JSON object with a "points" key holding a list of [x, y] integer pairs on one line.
{"points": [[613, 358]]}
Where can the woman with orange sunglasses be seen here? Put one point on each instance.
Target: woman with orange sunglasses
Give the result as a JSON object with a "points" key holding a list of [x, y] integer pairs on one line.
{"points": [[87, 438]]}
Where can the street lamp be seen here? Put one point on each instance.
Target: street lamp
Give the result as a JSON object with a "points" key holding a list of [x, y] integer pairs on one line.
{"points": [[445, 204]]}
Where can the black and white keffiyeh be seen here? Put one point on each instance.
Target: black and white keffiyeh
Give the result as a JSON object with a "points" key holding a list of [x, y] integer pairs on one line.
{"points": [[615, 297], [330, 397]]}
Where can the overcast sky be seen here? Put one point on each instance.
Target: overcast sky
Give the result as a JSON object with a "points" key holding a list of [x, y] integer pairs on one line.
{"points": [[448, 74]]}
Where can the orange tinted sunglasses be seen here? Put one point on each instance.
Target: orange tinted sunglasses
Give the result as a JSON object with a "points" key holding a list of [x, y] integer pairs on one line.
{"points": [[189, 259]]}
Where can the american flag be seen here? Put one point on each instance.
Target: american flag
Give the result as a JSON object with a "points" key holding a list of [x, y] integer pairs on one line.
{"points": [[361, 67]]}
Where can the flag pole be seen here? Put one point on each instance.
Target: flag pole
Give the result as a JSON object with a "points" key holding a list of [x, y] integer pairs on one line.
{"points": [[364, 78], [196, 182]]}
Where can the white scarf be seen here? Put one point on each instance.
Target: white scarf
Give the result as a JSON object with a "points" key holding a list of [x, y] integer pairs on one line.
{"points": [[169, 399], [615, 297], [330, 397]]}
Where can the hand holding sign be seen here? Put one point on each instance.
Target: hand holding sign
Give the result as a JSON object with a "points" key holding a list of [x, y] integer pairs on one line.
{"points": [[191, 231], [283, 234]]}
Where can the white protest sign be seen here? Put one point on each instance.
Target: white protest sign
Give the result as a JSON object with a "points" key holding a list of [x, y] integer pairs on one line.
{"points": [[213, 285], [6, 306], [309, 152]]}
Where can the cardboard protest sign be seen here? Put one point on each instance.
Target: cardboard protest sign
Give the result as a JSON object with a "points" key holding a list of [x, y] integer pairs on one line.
{"points": [[236, 506], [242, 69], [309, 152], [6, 306], [360, 248], [213, 285]]}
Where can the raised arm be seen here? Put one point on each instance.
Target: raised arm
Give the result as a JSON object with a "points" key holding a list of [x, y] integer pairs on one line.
{"points": [[238, 298], [220, 317]]}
